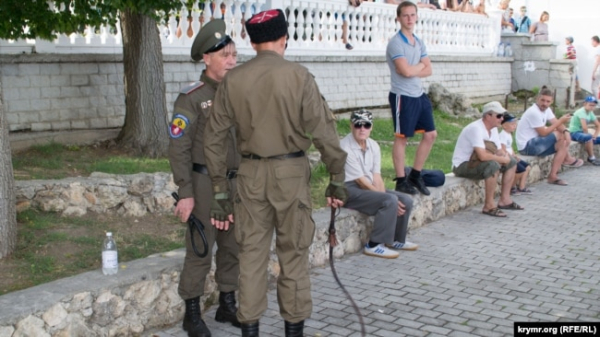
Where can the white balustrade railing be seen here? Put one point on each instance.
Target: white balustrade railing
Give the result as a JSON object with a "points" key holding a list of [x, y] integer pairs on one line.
{"points": [[315, 28]]}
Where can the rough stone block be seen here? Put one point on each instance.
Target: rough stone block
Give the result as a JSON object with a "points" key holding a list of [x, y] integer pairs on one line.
{"points": [[50, 92], [79, 80], [40, 105], [66, 125], [18, 106], [59, 80], [41, 126], [98, 123], [50, 69], [42, 81], [10, 69], [11, 94], [29, 69], [59, 104], [115, 78], [79, 124], [17, 81]]}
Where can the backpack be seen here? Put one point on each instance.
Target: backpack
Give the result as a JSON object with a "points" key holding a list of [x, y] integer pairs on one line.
{"points": [[431, 178]]}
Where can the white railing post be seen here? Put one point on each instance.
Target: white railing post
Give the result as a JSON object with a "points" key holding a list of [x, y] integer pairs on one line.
{"points": [[315, 28]]}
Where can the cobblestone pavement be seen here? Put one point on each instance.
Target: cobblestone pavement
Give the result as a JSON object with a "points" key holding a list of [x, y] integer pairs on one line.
{"points": [[473, 275]]}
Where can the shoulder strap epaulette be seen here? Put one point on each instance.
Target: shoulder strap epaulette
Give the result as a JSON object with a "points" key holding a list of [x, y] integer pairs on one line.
{"points": [[188, 89]]}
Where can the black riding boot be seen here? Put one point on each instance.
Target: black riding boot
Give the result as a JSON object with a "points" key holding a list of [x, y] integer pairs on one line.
{"points": [[294, 329], [227, 309], [250, 330], [192, 321]]}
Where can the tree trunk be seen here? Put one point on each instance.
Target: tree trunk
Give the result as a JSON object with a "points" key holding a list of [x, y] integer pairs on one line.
{"points": [[146, 125], [8, 210]]}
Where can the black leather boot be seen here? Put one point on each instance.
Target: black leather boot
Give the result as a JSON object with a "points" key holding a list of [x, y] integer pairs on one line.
{"points": [[250, 330], [294, 329], [192, 321], [227, 309]]}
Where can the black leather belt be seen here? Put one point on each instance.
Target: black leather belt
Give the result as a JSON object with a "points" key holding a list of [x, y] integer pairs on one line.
{"points": [[281, 156], [199, 168]]}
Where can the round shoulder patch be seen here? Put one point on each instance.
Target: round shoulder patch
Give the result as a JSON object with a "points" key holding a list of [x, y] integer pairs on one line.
{"points": [[178, 125]]}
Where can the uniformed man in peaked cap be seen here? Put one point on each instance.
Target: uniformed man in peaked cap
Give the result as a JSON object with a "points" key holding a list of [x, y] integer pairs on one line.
{"points": [[186, 155], [278, 111]]}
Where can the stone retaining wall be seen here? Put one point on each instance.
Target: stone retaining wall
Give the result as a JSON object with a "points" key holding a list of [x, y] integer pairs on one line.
{"points": [[144, 295], [49, 92]]}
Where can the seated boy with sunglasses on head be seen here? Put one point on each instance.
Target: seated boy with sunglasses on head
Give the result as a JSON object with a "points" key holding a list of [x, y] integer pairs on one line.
{"points": [[367, 193]]}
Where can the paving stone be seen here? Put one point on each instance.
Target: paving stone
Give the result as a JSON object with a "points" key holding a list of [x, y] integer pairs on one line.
{"points": [[472, 275]]}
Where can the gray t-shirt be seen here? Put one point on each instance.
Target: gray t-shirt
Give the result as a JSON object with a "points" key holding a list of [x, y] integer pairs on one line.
{"points": [[399, 46]]}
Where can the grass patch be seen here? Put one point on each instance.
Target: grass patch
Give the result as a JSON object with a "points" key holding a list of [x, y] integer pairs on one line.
{"points": [[50, 246], [57, 161]]}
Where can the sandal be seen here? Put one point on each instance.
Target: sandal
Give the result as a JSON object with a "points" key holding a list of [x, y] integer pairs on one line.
{"points": [[577, 163], [559, 182], [524, 191], [494, 212], [514, 207]]}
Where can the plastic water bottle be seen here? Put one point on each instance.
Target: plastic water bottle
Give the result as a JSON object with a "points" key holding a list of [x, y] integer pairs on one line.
{"points": [[508, 50], [500, 50], [110, 257]]}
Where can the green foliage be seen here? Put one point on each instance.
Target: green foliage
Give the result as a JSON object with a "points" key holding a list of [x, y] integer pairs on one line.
{"points": [[46, 19]]}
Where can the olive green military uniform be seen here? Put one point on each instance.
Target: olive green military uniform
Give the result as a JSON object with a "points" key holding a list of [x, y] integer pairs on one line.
{"points": [[274, 105], [192, 109]]}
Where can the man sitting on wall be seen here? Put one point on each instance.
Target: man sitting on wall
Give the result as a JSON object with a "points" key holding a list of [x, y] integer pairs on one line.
{"points": [[534, 138], [478, 155], [367, 194]]}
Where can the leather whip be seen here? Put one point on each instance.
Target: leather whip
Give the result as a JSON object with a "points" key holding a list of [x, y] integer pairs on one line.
{"points": [[197, 225], [332, 243]]}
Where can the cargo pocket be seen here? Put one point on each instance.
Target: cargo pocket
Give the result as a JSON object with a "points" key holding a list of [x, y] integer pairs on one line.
{"points": [[305, 226], [303, 301]]}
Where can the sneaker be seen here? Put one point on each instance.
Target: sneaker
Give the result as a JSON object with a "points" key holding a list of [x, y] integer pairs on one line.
{"points": [[420, 185], [349, 46], [405, 187], [524, 191], [381, 251], [594, 162], [403, 245], [515, 191]]}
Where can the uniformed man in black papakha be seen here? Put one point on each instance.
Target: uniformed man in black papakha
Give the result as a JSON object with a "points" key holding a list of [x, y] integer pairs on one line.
{"points": [[186, 155], [274, 105]]}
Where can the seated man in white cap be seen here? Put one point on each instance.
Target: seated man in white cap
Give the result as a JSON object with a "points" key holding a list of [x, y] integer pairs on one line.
{"points": [[478, 155]]}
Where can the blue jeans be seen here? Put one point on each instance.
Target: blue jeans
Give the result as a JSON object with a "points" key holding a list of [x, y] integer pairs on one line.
{"points": [[582, 138], [540, 146]]}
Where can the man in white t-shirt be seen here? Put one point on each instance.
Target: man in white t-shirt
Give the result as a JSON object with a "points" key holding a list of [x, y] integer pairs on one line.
{"points": [[596, 67], [534, 138], [474, 159]]}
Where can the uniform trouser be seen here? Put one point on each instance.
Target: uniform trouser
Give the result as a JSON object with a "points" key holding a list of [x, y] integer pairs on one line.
{"points": [[387, 225], [195, 269], [274, 195]]}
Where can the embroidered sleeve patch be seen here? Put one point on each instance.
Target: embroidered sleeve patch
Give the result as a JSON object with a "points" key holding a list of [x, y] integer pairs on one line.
{"points": [[178, 125]]}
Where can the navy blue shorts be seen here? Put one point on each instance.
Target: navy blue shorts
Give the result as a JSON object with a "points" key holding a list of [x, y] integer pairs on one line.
{"points": [[522, 166], [411, 115]]}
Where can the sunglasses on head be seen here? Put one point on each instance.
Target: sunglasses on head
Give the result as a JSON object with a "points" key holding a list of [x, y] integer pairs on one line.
{"points": [[365, 125]]}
